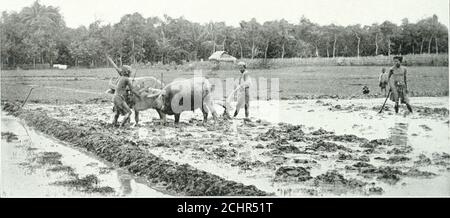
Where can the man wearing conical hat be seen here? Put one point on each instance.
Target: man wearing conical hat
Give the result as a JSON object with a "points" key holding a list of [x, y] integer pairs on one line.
{"points": [[398, 84]]}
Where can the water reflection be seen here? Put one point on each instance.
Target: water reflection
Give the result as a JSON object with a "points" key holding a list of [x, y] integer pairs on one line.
{"points": [[399, 134], [24, 177], [125, 183]]}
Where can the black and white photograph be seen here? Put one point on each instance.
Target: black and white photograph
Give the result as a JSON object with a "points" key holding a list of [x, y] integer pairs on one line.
{"points": [[224, 98]]}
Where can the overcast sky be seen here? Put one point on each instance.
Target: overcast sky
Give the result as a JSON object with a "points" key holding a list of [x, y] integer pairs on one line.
{"points": [[341, 12]]}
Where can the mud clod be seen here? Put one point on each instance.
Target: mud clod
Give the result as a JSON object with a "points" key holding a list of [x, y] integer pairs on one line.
{"points": [[363, 165], [363, 158], [426, 111], [442, 159], [11, 107], [386, 174], [425, 127], [222, 153], [284, 132], [247, 165], [88, 184], [401, 150], [418, 173], [321, 145], [9, 136], [336, 179], [376, 190], [304, 161], [423, 160], [50, 158], [376, 143], [346, 138], [61, 168], [292, 173], [389, 178], [183, 179], [344, 156], [321, 131], [396, 159]]}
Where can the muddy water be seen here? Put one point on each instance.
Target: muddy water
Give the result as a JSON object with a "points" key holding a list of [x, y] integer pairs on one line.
{"points": [[232, 152], [425, 134], [365, 123], [22, 175]]}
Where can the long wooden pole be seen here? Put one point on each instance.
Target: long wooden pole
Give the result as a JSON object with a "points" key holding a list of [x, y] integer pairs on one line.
{"points": [[114, 64], [382, 107], [26, 99]]}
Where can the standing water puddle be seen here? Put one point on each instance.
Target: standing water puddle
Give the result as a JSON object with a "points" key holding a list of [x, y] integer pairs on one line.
{"points": [[233, 152], [34, 165]]}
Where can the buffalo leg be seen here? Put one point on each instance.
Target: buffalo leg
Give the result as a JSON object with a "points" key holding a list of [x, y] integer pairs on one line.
{"points": [[162, 116], [136, 117], [205, 113], [209, 106], [127, 114], [116, 117], [177, 118]]}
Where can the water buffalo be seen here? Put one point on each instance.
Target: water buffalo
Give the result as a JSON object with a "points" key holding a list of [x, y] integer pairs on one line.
{"points": [[172, 99], [148, 89], [186, 95]]}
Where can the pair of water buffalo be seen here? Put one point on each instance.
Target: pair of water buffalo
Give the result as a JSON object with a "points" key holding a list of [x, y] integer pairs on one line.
{"points": [[174, 98]]}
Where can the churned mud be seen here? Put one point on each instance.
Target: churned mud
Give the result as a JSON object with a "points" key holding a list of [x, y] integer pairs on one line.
{"points": [[35, 165], [290, 148], [172, 177]]}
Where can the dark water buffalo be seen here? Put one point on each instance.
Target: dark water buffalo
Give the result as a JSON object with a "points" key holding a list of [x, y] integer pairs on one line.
{"points": [[186, 95], [172, 99]]}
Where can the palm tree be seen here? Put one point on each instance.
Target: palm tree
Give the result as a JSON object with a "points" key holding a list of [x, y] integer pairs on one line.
{"points": [[39, 16], [43, 25]]}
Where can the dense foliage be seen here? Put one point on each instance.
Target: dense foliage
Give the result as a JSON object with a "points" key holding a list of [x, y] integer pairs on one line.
{"points": [[38, 35]]}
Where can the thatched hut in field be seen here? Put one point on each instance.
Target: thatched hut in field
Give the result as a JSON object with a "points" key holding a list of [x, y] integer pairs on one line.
{"points": [[221, 56]]}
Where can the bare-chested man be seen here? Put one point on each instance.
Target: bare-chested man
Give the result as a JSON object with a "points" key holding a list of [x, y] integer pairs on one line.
{"points": [[244, 92], [398, 84], [121, 96]]}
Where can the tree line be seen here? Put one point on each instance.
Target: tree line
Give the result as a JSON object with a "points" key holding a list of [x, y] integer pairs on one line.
{"points": [[38, 35]]}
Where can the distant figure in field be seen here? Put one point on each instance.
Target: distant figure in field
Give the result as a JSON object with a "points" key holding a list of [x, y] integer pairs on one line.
{"points": [[398, 84], [383, 81]]}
